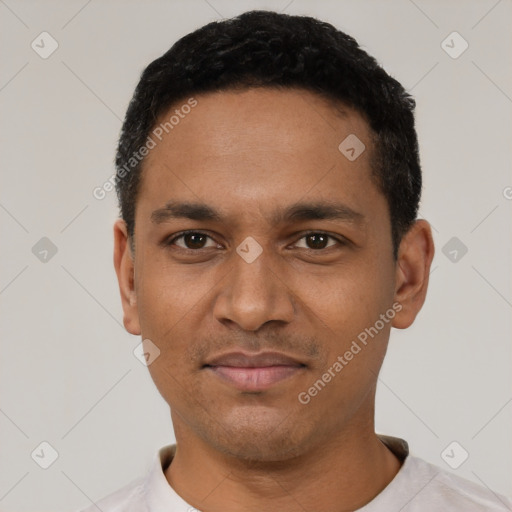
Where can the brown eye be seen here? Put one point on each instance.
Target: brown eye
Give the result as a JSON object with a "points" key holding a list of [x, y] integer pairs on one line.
{"points": [[192, 240], [317, 241]]}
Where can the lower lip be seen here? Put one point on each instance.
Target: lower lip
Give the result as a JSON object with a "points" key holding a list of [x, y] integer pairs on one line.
{"points": [[254, 379]]}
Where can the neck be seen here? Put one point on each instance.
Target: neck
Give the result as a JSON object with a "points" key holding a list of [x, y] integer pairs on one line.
{"points": [[343, 473]]}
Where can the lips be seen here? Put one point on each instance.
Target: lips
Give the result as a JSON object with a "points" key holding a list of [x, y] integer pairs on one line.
{"points": [[254, 372], [264, 359]]}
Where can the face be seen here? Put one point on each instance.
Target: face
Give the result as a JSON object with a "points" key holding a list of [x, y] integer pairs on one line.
{"points": [[263, 256]]}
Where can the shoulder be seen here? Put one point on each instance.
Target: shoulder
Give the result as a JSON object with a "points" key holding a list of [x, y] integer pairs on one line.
{"points": [[144, 492], [451, 492], [129, 498]]}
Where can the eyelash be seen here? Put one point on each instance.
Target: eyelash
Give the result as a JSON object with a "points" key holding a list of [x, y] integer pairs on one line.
{"points": [[171, 241]]}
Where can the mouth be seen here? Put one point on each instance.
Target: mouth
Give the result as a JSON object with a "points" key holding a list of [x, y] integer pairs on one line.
{"points": [[254, 373]]}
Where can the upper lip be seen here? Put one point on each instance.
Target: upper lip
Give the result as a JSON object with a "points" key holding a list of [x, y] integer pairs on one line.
{"points": [[261, 359]]}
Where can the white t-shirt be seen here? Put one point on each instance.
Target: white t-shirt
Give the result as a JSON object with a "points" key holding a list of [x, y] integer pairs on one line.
{"points": [[417, 487]]}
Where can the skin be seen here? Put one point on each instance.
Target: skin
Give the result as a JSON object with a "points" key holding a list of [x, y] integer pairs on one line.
{"points": [[250, 155]]}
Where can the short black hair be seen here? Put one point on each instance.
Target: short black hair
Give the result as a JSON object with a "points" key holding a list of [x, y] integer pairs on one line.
{"points": [[269, 49]]}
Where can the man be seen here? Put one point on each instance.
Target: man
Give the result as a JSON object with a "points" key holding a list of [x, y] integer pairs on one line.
{"points": [[269, 181]]}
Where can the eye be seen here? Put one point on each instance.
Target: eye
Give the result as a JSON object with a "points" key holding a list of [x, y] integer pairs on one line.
{"points": [[318, 241], [192, 240]]}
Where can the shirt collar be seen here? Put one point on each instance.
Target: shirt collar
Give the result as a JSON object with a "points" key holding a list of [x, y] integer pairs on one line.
{"points": [[158, 494]]}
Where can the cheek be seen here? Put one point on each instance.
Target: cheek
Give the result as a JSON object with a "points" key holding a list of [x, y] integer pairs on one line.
{"points": [[169, 312], [345, 309], [346, 300], [168, 296]]}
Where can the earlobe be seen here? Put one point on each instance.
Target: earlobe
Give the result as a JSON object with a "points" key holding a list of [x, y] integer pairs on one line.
{"points": [[412, 272], [124, 266]]}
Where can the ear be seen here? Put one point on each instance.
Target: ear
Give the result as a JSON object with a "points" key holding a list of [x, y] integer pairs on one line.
{"points": [[124, 265], [415, 256]]}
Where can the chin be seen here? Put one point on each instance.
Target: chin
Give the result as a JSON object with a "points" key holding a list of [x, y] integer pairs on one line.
{"points": [[260, 448], [260, 437]]}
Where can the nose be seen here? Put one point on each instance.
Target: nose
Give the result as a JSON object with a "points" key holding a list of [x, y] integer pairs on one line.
{"points": [[253, 294]]}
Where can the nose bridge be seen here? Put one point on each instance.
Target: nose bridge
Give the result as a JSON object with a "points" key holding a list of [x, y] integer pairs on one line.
{"points": [[253, 292], [254, 277]]}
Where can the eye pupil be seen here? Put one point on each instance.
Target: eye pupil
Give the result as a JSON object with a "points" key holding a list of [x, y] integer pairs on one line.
{"points": [[194, 240], [320, 243]]}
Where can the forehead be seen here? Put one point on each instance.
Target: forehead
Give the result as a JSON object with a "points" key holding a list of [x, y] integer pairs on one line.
{"points": [[260, 146], [257, 119]]}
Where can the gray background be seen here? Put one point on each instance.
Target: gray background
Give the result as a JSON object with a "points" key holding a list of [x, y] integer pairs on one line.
{"points": [[68, 373]]}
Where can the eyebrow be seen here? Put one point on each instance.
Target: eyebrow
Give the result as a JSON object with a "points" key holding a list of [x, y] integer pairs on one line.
{"points": [[318, 210]]}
